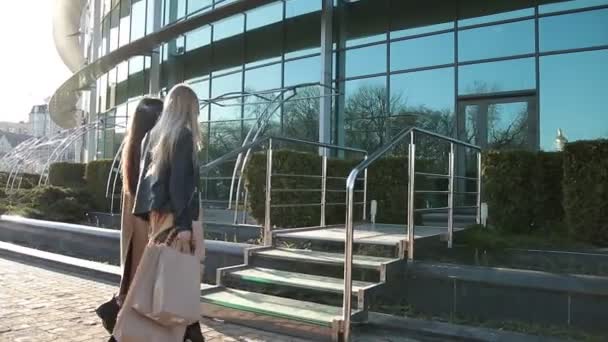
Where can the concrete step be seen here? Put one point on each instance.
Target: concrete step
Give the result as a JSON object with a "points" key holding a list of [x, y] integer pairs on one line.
{"points": [[324, 258], [296, 280], [303, 319]]}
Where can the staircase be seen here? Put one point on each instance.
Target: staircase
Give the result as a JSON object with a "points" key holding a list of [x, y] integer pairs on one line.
{"points": [[295, 283], [298, 291]]}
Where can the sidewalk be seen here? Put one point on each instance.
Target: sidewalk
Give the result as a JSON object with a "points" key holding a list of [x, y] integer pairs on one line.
{"points": [[39, 305]]}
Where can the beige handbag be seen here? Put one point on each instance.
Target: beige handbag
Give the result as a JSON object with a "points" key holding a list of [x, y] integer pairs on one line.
{"points": [[171, 282]]}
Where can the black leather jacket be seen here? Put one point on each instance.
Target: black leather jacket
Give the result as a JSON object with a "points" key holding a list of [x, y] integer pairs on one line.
{"points": [[174, 190]]}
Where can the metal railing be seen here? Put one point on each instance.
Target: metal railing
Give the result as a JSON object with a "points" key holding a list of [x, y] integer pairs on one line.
{"points": [[270, 145], [411, 207]]}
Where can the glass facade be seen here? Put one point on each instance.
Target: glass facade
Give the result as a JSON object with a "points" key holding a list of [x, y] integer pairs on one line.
{"points": [[502, 74]]}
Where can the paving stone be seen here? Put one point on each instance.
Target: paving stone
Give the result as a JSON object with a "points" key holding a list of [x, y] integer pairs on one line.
{"points": [[47, 306]]}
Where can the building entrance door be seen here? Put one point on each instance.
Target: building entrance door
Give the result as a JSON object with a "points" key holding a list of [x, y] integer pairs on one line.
{"points": [[499, 121]]}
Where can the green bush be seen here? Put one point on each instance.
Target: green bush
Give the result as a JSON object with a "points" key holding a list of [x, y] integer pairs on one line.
{"points": [[28, 180], [548, 208], [96, 178], [585, 186], [66, 174], [49, 203], [508, 189], [523, 190], [387, 184]]}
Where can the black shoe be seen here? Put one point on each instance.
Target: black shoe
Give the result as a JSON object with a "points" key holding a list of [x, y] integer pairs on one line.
{"points": [[108, 312], [194, 333]]}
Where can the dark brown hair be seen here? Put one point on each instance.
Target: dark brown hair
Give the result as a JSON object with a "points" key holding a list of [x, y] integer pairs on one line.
{"points": [[143, 119]]}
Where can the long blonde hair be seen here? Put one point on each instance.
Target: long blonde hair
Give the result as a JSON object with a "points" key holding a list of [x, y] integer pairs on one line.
{"points": [[180, 111]]}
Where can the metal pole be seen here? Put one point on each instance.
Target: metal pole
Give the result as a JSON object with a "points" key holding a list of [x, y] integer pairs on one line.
{"points": [[410, 203], [348, 258], [451, 197], [323, 187], [244, 218], [365, 194], [478, 187], [267, 223]]}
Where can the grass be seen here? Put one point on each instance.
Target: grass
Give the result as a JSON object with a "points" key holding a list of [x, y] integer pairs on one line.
{"points": [[496, 239]]}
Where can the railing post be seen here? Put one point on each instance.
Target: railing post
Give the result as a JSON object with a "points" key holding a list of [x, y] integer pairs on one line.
{"points": [[323, 186], [411, 209], [478, 219], [365, 193], [451, 197], [267, 222], [348, 256]]}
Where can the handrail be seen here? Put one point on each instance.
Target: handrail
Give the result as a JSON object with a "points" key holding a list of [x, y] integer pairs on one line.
{"points": [[350, 186], [257, 143]]}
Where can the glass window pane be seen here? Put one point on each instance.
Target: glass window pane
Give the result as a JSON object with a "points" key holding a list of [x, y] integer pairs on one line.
{"points": [[517, 74], [220, 86], [569, 5], [114, 24], [138, 19], [264, 15], [195, 5], [424, 99], [223, 138], [301, 116], [415, 17], [294, 8], [438, 49], [365, 113], [201, 88], [261, 79], [573, 31], [150, 18], [125, 23], [306, 70], [573, 97], [174, 10], [496, 41], [303, 34], [365, 22], [264, 78], [197, 38], [366, 61], [497, 17], [228, 27], [264, 45]]}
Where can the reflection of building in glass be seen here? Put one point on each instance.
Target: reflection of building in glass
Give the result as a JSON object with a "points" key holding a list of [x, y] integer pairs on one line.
{"points": [[41, 124], [502, 74]]}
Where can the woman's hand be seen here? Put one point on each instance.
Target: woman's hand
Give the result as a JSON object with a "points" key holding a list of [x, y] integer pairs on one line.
{"points": [[183, 242]]}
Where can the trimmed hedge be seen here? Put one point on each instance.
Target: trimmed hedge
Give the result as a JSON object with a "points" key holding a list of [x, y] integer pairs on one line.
{"points": [[586, 190], [523, 190], [48, 203], [28, 181], [96, 178], [387, 184], [67, 174]]}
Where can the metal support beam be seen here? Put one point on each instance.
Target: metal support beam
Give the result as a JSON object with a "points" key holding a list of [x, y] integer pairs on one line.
{"points": [[326, 73], [154, 85], [94, 54]]}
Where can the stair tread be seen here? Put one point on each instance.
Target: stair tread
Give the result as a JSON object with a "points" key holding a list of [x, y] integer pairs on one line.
{"points": [[312, 313], [301, 280], [337, 235], [363, 261]]}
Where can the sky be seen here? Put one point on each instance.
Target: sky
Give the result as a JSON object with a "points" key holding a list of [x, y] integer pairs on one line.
{"points": [[30, 66]]}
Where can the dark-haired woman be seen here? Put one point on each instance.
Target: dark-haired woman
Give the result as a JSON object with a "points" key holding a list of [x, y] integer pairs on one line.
{"points": [[167, 197], [133, 230]]}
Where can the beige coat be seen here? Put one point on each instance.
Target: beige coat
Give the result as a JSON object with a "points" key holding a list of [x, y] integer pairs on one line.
{"points": [[134, 234]]}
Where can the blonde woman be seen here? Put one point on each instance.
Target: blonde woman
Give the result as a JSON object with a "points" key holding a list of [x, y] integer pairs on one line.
{"points": [[167, 197]]}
